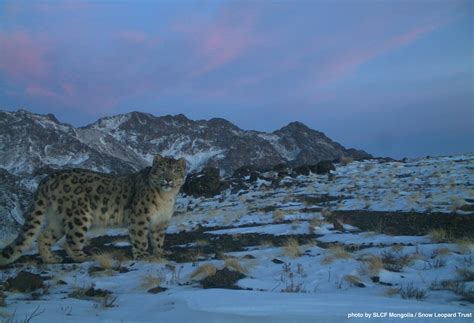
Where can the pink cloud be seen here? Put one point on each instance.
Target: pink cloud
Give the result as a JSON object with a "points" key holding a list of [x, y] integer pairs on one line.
{"points": [[223, 40], [39, 91], [22, 56], [346, 63]]}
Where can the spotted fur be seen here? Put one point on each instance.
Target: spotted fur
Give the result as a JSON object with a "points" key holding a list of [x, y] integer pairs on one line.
{"points": [[70, 202]]}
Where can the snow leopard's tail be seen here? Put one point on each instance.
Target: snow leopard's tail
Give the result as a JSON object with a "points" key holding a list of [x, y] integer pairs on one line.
{"points": [[31, 228]]}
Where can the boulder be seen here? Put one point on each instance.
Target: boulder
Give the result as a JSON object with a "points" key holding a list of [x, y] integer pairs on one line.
{"points": [[323, 167], [302, 170], [206, 183]]}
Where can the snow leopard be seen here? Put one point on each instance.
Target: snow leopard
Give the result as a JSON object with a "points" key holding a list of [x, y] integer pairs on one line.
{"points": [[69, 202]]}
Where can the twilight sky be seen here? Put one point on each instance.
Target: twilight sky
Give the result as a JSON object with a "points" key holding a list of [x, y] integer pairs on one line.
{"points": [[395, 78]]}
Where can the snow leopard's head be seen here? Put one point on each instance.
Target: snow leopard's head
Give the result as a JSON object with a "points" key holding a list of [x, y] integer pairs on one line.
{"points": [[167, 173]]}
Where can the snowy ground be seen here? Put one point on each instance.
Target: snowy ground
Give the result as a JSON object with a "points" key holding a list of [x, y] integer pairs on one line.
{"points": [[297, 264]]}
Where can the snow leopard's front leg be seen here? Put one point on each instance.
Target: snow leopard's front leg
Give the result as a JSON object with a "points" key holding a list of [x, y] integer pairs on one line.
{"points": [[158, 237], [138, 232]]}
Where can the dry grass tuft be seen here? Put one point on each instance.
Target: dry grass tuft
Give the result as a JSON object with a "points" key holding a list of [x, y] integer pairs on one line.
{"points": [[314, 223], [339, 252], [442, 251], [234, 264], [391, 291], [150, 281], [335, 252], [292, 248], [325, 213], [465, 245], [327, 260], [374, 264], [439, 235], [204, 271], [278, 216], [344, 160], [267, 243], [354, 280], [398, 247], [104, 259], [202, 243]]}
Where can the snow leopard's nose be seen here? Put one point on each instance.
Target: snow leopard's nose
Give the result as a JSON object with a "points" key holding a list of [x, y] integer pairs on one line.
{"points": [[167, 182]]}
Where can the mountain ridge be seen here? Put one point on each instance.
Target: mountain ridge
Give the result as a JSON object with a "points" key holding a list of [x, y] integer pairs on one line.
{"points": [[128, 142]]}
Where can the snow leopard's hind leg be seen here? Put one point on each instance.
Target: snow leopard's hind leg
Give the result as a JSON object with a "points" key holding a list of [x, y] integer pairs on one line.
{"points": [[31, 228]]}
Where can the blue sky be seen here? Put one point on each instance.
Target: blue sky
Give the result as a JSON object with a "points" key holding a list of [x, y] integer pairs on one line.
{"points": [[395, 77]]}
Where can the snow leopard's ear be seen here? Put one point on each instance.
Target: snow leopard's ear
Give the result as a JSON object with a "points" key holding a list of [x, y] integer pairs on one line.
{"points": [[157, 160], [182, 163]]}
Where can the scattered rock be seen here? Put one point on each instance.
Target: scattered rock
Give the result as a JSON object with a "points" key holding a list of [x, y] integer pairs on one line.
{"points": [[283, 170], [24, 282], [157, 289], [302, 170], [375, 279], [277, 261], [97, 292], [223, 278]]}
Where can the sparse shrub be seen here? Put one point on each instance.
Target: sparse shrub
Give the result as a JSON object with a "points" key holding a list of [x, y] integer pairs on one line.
{"points": [[409, 291], [292, 248], [395, 261], [293, 288], [28, 317], [459, 288], [204, 271], [467, 274], [437, 263]]}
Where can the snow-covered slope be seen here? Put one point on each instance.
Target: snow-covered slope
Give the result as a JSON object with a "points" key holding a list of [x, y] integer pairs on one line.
{"points": [[299, 260]]}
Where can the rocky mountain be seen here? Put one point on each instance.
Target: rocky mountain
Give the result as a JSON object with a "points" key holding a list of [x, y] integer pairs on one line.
{"points": [[32, 144], [219, 143]]}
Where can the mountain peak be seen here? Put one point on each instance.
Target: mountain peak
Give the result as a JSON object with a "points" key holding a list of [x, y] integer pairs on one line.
{"points": [[294, 126]]}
